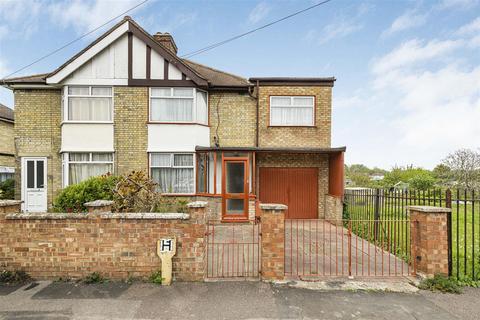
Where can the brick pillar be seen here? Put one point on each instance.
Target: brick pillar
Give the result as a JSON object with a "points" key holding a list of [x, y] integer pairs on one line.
{"points": [[99, 206], [197, 211], [429, 239], [10, 206], [273, 241]]}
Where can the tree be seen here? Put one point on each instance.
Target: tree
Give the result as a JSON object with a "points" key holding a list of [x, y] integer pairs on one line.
{"points": [[465, 167], [417, 178], [442, 173]]}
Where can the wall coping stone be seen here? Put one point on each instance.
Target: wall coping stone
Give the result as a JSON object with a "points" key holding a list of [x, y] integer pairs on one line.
{"points": [[197, 204], [108, 215], [99, 203], [429, 209], [273, 206], [7, 203]]}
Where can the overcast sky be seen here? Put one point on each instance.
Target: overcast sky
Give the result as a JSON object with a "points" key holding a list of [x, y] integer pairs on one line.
{"points": [[408, 72]]}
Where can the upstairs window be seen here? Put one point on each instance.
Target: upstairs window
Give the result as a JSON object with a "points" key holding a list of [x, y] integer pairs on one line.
{"points": [[292, 110], [178, 105], [89, 104]]}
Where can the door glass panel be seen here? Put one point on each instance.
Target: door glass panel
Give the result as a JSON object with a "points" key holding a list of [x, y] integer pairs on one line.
{"points": [[30, 174], [40, 176], [235, 206], [235, 177]]}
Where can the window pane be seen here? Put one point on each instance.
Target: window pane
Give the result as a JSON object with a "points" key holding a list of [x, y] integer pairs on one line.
{"points": [[303, 101], [161, 92], [78, 109], [40, 173], [235, 206], [100, 109], [173, 180], [235, 177], [101, 91], [182, 160], [79, 172], [182, 92], [102, 157], [172, 109], [202, 109], [79, 156], [202, 172], [160, 160], [79, 91], [291, 116], [281, 101], [30, 174]]}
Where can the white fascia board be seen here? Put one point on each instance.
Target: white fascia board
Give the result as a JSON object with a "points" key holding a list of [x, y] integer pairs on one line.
{"points": [[31, 86], [97, 82], [89, 54]]}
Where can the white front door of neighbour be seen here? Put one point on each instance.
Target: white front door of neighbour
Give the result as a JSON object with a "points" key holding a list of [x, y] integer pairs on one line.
{"points": [[34, 184]]}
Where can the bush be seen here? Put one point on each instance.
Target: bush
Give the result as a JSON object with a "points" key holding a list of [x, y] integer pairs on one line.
{"points": [[135, 192], [72, 198], [440, 283], [156, 277], [7, 189], [94, 277]]}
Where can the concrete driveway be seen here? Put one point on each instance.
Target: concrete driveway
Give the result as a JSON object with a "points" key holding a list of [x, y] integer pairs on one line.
{"points": [[225, 300]]}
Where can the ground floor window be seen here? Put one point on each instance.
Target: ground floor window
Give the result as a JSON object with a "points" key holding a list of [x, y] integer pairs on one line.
{"points": [[79, 166], [6, 173], [174, 172]]}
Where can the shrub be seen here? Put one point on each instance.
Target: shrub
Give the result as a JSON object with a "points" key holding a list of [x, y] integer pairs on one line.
{"points": [[7, 189], [72, 198], [440, 283], [13, 277], [156, 277], [135, 192]]}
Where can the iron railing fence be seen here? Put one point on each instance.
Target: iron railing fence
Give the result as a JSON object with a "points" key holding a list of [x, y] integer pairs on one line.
{"points": [[387, 207]]}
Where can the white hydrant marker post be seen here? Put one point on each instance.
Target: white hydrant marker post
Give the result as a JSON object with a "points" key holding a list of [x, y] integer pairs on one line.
{"points": [[166, 249]]}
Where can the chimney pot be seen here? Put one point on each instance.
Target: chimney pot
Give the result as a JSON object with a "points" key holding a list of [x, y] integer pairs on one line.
{"points": [[167, 41]]}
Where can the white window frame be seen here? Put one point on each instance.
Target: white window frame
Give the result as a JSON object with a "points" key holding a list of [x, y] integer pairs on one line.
{"points": [[311, 124], [194, 111], [172, 165], [66, 163], [66, 96]]}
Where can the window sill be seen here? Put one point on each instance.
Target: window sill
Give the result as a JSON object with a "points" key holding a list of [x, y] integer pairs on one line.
{"points": [[292, 126], [86, 122], [180, 123], [178, 194]]}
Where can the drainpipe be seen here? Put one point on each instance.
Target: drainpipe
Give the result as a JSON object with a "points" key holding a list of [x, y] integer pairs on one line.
{"points": [[256, 117]]}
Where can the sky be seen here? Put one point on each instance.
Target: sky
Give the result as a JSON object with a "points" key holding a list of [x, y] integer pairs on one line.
{"points": [[408, 72]]}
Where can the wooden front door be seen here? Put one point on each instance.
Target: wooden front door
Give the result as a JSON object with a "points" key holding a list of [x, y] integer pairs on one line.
{"points": [[235, 189], [295, 187]]}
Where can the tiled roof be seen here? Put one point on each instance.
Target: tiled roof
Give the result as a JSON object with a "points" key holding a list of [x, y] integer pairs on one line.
{"points": [[6, 113], [34, 78], [216, 77]]}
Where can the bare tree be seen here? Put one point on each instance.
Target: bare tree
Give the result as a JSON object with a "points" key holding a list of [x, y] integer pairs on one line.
{"points": [[465, 167]]}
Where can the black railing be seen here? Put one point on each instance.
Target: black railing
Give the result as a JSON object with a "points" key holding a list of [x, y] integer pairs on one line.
{"points": [[387, 207]]}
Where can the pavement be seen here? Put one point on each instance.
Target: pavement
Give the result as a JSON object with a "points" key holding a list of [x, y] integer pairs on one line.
{"points": [[226, 300]]}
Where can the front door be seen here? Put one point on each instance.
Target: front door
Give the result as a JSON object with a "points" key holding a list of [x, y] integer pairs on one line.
{"points": [[34, 184], [235, 189]]}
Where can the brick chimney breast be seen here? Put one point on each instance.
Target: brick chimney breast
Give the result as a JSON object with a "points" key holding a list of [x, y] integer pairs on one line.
{"points": [[167, 41]]}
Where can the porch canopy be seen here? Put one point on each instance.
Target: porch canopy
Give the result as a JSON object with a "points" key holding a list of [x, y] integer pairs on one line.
{"points": [[335, 155]]}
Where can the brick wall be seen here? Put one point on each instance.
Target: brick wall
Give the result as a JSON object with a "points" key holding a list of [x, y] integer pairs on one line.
{"points": [[37, 133], [300, 160], [130, 129], [318, 136], [118, 246], [237, 113], [6, 144], [273, 241]]}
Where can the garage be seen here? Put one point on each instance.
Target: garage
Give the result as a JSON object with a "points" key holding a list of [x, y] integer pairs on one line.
{"points": [[295, 187]]}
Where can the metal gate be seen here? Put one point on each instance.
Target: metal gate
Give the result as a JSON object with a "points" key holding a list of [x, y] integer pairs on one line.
{"points": [[233, 250], [361, 248]]}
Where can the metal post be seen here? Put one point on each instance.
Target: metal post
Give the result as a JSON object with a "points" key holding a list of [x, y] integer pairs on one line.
{"points": [[376, 213], [350, 248], [448, 204]]}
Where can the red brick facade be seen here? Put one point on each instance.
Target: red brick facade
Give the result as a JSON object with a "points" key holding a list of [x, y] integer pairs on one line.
{"points": [[273, 241]]}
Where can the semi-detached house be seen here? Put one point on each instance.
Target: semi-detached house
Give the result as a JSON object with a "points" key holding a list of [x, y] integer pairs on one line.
{"points": [[129, 102]]}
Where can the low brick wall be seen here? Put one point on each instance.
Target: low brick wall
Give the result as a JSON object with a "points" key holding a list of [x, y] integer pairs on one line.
{"points": [[52, 245], [333, 209]]}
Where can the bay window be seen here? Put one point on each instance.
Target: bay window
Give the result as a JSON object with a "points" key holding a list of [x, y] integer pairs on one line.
{"points": [[174, 172], [88, 104], [178, 105], [292, 110], [80, 166]]}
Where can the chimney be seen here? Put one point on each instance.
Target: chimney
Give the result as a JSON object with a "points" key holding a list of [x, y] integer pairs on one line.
{"points": [[167, 41]]}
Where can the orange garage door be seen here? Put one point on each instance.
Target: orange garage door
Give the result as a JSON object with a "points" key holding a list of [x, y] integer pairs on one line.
{"points": [[295, 187]]}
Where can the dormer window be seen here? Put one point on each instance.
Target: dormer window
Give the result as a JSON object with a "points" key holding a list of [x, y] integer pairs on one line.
{"points": [[178, 105], [88, 104]]}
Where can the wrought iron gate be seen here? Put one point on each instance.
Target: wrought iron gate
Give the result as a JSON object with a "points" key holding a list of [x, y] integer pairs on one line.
{"points": [[233, 250]]}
